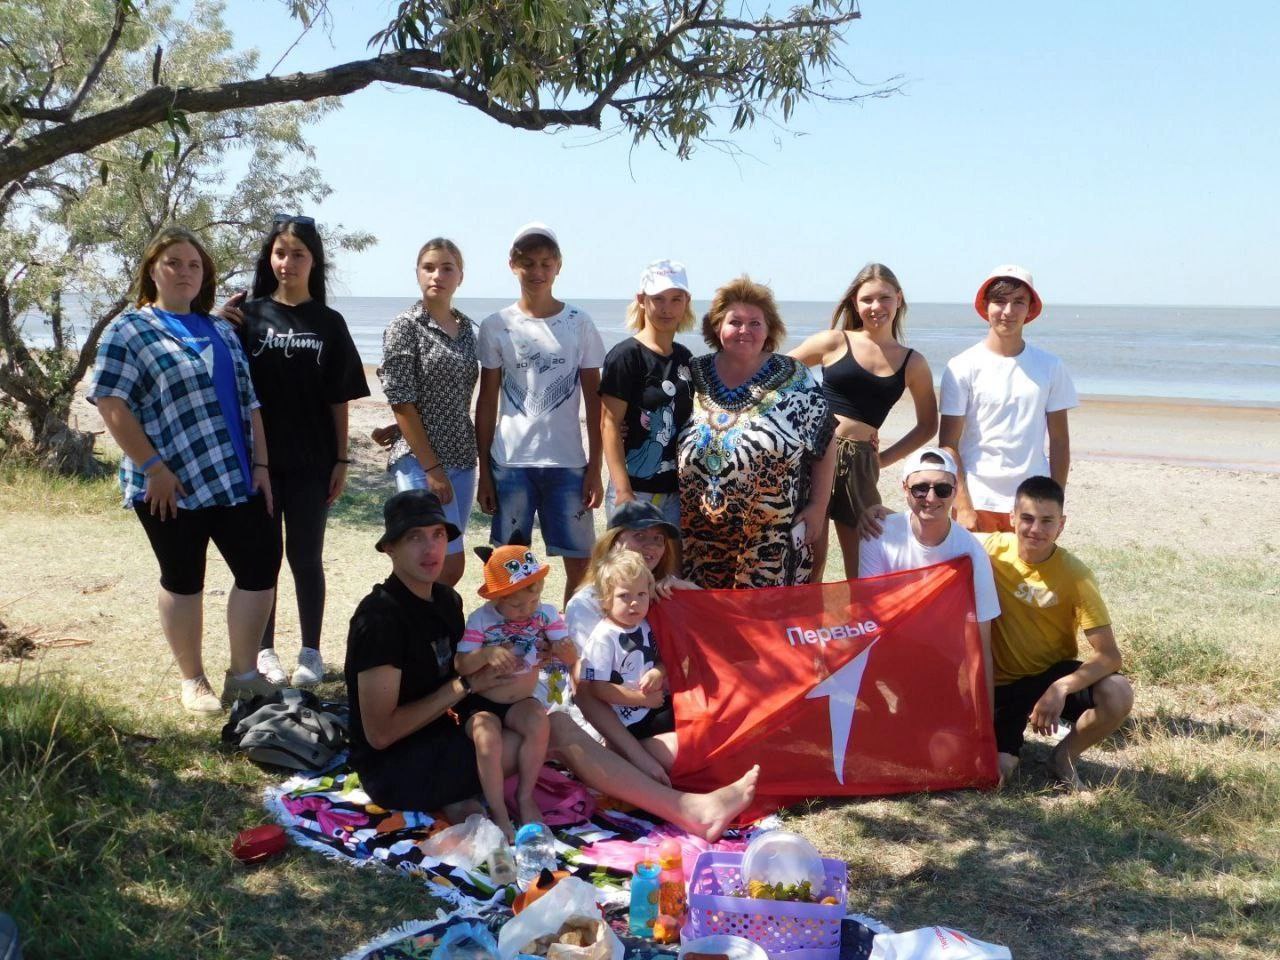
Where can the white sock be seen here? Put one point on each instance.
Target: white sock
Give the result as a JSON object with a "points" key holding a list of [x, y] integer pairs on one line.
{"points": [[243, 677], [193, 682]]}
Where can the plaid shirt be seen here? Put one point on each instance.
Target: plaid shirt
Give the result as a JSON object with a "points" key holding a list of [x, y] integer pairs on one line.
{"points": [[168, 388]]}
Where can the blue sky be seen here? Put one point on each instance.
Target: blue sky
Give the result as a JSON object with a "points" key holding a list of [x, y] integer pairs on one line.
{"points": [[1126, 152]]}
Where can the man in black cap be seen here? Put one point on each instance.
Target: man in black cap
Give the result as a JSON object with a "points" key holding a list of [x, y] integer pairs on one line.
{"points": [[400, 676]]}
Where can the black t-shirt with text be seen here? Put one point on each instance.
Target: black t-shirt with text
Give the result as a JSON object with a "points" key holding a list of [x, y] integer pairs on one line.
{"points": [[394, 627], [659, 397], [303, 361]]}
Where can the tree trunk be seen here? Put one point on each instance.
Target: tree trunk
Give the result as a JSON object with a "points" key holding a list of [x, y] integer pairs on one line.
{"points": [[62, 448]]}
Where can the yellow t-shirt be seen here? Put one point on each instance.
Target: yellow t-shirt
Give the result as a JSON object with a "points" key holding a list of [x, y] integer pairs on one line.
{"points": [[1043, 606]]}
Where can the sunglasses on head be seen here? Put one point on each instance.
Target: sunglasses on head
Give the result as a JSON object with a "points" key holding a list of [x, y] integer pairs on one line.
{"points": [[921, 490], [280, 218]]}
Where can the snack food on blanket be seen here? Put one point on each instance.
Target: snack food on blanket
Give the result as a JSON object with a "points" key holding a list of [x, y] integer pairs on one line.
{"points": [[579, 938], [797, 892]]}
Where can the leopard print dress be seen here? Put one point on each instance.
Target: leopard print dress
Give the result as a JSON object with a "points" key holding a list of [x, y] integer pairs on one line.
{"points": [[745, 459]]}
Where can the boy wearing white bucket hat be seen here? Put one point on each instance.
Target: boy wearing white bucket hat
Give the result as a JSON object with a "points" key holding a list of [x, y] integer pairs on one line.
{"points": [[1000, 399]]}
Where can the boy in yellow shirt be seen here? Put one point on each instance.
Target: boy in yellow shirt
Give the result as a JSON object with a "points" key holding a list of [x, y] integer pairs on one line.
{"points": [[1046, 597]]}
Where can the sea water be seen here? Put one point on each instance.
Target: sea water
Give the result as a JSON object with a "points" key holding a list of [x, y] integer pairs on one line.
{"points": [[1219, 354]]}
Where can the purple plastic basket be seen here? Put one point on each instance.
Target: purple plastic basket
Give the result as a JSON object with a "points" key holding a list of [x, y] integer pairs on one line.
{"points": [[786, 931]]}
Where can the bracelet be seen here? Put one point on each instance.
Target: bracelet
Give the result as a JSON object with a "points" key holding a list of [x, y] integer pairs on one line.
{"points": [[430, 468], [148, 464], [340, 460], [262, 465], [466, 685]]}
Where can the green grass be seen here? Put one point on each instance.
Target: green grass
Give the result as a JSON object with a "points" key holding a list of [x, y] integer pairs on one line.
{"points": [[119, 845], [121, 811]]}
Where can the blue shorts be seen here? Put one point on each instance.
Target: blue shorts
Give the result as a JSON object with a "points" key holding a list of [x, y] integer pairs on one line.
{"points": [[410, 476], [668, 504], [555, 495]]}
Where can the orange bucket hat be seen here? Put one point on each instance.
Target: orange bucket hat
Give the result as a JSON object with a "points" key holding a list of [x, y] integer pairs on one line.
{"points": [[508, 569], [1008, 271]]}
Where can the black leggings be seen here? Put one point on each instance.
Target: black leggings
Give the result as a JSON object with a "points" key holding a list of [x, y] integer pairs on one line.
{"points": [[301, 504], [241, 533]]}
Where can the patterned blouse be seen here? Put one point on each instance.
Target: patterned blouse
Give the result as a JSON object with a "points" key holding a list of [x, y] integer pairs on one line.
{"points": [[745, 462], [423, 365]]}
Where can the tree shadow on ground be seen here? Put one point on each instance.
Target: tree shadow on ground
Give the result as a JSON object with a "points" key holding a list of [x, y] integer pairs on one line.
{"points": [[1052, 875], [131, 853]]}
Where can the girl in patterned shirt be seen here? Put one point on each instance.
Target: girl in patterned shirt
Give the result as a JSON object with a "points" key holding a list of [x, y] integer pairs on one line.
{"points": [[428, 373]]}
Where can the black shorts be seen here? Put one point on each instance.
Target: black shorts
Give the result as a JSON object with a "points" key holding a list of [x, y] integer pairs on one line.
{"points": [[662, 720], [244, 534], [1015, 701], [425, 771], [476, 703]]}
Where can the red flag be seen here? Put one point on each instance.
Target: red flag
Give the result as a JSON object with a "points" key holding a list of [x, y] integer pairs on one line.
{"points": [[863, 687]]}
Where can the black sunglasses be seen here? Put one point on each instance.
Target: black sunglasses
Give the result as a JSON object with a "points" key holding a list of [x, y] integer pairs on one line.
{"points": [[921, 490], [280, 218]]}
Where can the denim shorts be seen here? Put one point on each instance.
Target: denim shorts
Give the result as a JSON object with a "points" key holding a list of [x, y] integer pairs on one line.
{"points": [[555, 495], [409, 476], [667, 503]]}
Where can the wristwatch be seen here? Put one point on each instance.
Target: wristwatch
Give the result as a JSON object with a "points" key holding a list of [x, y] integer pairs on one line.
{"points": [[466, 685]]}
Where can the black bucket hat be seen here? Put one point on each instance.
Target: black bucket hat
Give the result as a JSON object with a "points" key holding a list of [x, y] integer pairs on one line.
{"points": [[409, 509]]}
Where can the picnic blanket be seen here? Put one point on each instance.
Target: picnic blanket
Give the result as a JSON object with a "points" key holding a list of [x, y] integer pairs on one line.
{"points": [[333, 815]]}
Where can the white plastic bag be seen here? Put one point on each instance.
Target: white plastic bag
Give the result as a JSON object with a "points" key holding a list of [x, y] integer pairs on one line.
{"points": [[571, 897], [935, 943], [466, 845]]}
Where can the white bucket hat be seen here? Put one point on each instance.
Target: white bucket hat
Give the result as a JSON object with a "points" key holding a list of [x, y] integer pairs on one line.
{"points": [[1008, 271]]}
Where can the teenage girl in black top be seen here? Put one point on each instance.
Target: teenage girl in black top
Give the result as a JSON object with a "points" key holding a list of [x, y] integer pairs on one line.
{"points": [[865, 370], [305, 369]]}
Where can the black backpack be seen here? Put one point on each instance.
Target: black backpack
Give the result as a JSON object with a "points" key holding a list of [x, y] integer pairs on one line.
{"points": [[286, 728]]}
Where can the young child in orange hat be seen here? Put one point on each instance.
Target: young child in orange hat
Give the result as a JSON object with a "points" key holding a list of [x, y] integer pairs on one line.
{"points": [[526, 639]]}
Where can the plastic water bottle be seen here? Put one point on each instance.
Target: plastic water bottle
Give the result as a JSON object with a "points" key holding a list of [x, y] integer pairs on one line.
{"points": [[535, 852], [644, 898], [672, 898]]}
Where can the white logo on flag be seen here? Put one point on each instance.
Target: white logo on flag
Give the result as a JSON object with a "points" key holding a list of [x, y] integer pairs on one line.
{"points": [[841, 690]]}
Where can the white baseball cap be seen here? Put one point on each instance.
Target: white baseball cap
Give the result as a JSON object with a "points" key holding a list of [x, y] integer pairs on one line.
{"points": [[535, 228], [915, 462], [663, 275]]}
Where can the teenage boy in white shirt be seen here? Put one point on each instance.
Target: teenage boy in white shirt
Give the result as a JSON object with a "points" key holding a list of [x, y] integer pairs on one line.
{"points": [[925, 535], [999, 399], [539, 362]]}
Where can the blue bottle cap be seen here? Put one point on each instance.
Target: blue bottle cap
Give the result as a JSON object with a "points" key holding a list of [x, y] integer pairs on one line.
{"points": [[530, 831]]}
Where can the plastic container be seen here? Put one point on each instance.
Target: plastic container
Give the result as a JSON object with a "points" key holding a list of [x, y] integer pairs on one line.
{"points": [[502, 865], [780, 856], [672, 895], [535, 852], [734, 948], [785, 930], [644, 898]]}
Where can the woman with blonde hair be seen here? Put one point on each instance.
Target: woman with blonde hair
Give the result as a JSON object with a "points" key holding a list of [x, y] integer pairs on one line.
{"points": [[172, 384], [865, 370], [645, 394]]}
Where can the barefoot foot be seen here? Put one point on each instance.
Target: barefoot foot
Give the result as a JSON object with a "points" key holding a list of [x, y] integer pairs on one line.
{"points": [[711, 813], [1063, 767], [1008, 765], [458, 812], [528, 810]]}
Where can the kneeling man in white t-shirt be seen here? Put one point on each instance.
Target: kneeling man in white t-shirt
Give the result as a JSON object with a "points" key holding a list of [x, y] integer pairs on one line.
{"points": [[925, 535]]}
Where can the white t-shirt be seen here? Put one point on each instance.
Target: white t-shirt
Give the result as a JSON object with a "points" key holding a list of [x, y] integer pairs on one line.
{"points": [[538, 423], [1004, 401], [898, 549], [615, 654], [581, 614]]}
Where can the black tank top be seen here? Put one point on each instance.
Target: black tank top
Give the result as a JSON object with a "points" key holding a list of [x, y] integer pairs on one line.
{"points": [[857, 394]]}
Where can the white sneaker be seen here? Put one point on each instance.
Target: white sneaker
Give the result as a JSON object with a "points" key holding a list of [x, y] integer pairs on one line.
{"points": [[269, 666], [198, 697], [310, 669]]}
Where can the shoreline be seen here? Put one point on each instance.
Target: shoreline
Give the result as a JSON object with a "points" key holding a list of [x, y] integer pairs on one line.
{"points": [[1184, 432]]}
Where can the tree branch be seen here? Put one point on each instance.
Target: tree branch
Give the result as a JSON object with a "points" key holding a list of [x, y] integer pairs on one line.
{"points": [[108, 48], [158, 103]]}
